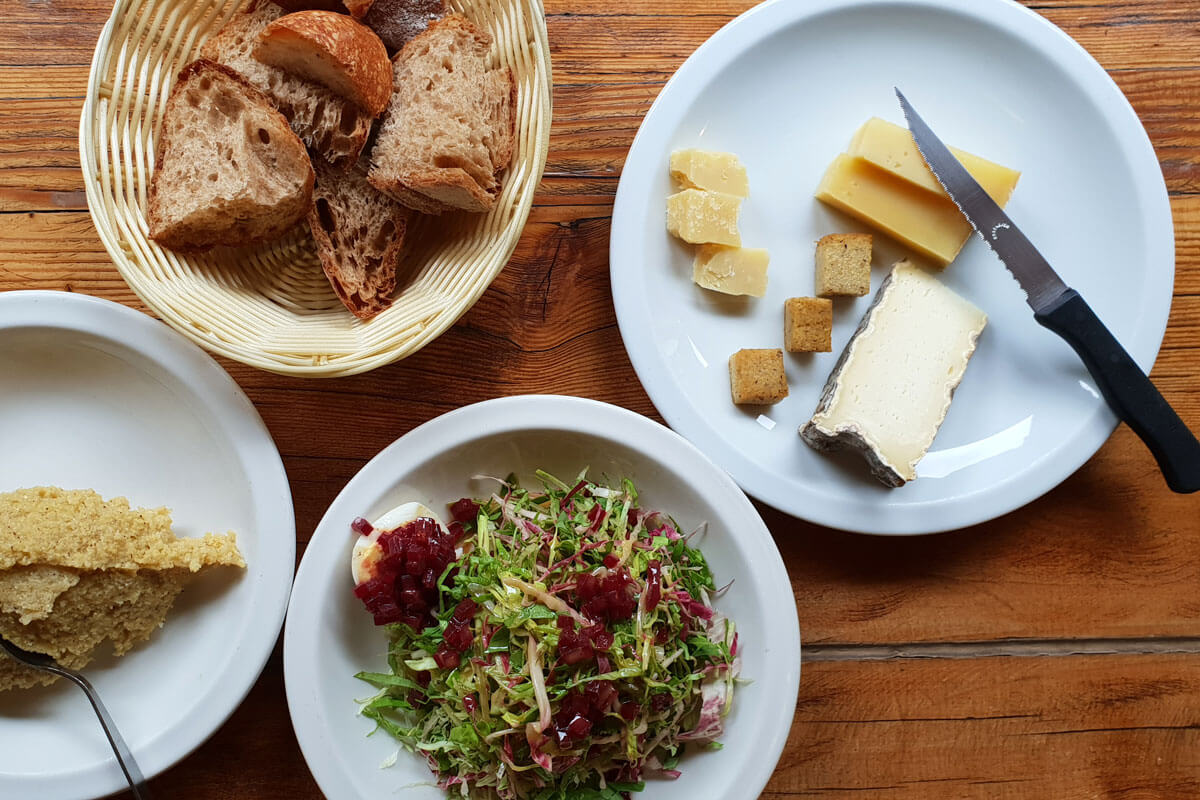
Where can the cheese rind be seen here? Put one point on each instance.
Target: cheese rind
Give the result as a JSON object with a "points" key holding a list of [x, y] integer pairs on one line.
{"points": [[928, 223], [702, 217], [731, 270], [891, 148], [891, 388], [715, 172]]}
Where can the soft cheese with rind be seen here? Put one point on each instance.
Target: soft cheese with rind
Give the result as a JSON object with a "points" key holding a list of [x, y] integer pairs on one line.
{"points": [[891, 388]]}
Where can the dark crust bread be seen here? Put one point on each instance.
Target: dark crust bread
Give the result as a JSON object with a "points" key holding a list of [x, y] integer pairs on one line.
{"points": [[398, 21], [379, 279]]}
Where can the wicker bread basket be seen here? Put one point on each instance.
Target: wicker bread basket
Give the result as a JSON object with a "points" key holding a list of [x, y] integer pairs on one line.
{"points": [[271, 306]]}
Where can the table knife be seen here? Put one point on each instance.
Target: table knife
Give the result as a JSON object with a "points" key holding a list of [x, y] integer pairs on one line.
{"points": [[1056, 306]]}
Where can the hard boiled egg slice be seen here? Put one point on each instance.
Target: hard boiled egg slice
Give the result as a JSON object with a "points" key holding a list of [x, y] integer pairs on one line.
{"points": [[366, 549]]}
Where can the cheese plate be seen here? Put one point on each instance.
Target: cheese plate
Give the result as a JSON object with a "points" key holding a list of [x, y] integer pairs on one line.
{"points": [[1026, 414]]}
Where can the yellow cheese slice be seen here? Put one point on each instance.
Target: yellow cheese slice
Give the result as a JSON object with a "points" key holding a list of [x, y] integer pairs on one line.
{"points": [[705, 169], [891, 148], [704, 217], [928, 223], [732, 270]]}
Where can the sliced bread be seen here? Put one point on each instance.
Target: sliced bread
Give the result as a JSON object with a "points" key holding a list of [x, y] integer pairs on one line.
{"points": [[333, 126], [333, 50], [397, 21], [228, 168], [448, 129], [359, 233]]}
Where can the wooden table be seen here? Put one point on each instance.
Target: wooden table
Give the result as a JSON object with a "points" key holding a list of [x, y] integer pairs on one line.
{"points": [[1052, 653]]}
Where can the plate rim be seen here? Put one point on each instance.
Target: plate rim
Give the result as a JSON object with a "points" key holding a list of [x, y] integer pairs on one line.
{"points": [[197, 373], [505, 415], [1040, 476]]}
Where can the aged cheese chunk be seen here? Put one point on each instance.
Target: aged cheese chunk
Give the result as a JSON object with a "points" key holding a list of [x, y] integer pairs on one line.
{"points": [[731, 270], [891, 388], [928, 223], [704, 217], [705, 169], [891, 148]]}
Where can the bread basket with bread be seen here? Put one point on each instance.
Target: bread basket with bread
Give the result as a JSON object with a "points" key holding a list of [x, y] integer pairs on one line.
{"points": [[312, 188]]}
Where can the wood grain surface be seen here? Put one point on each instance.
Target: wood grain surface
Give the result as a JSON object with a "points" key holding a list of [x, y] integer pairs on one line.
{"points": [[1054, 652]]}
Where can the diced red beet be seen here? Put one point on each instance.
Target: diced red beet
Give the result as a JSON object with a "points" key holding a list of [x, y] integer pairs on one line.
{"points": [[629, 710], [465, 609], [660, 702], [361, 526], [579, 727], [464, 510], [601, 637], [403, 583], [445, 657]]}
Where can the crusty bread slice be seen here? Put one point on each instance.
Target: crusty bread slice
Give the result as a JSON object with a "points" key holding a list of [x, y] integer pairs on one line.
{"points": [[228, 169], [449, 126], [359, 233], [333, 50], [333, 126], [398, 21]]}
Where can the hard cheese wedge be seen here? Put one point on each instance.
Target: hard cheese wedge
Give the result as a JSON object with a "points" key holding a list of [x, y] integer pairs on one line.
{"points": [[891, 148], [732, 270], [928, 223], [705, 169], [704, 217], [891, 388]]}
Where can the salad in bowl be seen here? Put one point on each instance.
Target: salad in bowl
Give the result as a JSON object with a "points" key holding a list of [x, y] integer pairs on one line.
{"points": [[548, 643]]}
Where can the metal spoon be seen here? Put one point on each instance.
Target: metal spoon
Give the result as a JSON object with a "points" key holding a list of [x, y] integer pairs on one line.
{"points": [[137, 784]]}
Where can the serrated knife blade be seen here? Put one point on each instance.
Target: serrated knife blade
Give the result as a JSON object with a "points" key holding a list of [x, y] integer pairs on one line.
{"points": [[1056, 306]]}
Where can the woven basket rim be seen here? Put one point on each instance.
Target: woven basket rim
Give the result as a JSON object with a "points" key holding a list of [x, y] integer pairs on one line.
{"points": [[490, 250]]}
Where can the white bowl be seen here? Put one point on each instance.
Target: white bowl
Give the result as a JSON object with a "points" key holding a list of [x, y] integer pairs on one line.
{"points": [[329, 637]]}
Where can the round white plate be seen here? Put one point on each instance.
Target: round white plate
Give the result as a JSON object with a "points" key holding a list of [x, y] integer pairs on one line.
{"points": [[329, 636], [784, 87], [94, 395]]}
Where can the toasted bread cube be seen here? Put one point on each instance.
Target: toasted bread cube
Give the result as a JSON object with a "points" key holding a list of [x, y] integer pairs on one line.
{"points": [[704, 217], [844, 265], [705, 169], [756, 377], [808, 325], [731, 270]]}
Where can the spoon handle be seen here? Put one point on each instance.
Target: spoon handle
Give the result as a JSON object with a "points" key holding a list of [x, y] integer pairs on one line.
{"points": [[137, 783]]}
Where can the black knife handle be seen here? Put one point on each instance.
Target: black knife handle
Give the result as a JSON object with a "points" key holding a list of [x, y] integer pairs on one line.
{"points": [[1127, 390]]}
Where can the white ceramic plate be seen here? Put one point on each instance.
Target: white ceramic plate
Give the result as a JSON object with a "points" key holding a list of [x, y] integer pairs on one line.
{"points": [[95, 395], [329, 636], [785, 86]]}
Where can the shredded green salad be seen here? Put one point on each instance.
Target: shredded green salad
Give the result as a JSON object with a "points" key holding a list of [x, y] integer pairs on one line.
{"points": [[567, 649]]}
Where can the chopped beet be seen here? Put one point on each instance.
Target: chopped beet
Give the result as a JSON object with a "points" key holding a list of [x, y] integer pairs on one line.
{"points": [[445, 657], [361, 526], [402, 587], [465, 510], [660, 702], [629, 711], [610, 599]]}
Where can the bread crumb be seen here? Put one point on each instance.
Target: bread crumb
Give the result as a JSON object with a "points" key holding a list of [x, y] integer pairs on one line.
{"points": [[843, 265], [808, 325], [756, 377]]}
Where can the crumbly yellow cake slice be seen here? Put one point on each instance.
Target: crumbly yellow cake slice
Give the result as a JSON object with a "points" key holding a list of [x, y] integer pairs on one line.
{"points": [[81, 530], [119, 606], [29, 592]]}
